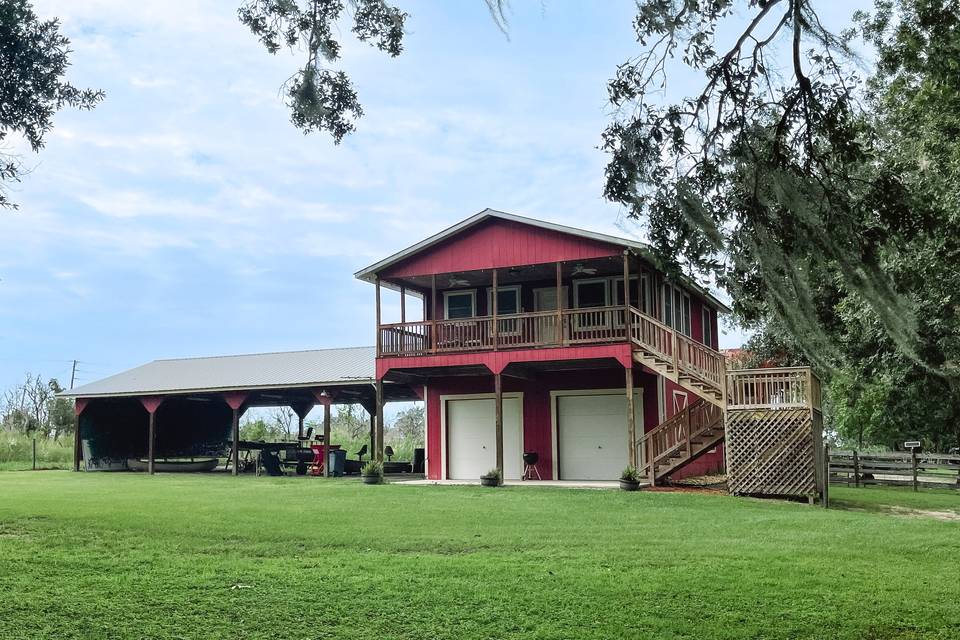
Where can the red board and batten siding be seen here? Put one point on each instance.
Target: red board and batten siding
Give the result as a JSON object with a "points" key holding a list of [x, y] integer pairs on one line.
{"points": [[708, 462], [537, 415], [496, 244], [497, 361]]}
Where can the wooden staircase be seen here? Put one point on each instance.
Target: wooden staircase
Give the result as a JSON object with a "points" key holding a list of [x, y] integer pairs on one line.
{"points": [[680, 440], [693, 366]]}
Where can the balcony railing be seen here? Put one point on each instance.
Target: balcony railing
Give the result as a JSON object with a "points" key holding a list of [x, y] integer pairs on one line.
{"points": [[516, 331], [596, 325], [783, 388]]}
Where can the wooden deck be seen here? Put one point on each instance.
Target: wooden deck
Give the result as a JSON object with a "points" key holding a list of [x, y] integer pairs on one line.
{"points": [[774, 432], [668, 352]]}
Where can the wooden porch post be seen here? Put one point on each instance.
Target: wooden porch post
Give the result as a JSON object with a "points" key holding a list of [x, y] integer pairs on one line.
{"points": [[498, 419], [433, 313], [627, 315], [631, 418], [403, 305], [493, 298], [373, 432], [378, 449], [377, 286], [559, 331]]}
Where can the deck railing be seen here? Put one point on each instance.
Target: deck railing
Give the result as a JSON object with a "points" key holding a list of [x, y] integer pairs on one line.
{"points": [[670, 436], [783, 387], [595, 325]]}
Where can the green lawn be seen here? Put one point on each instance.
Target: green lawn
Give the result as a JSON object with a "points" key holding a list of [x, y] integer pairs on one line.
{"points": [[180, 556]]}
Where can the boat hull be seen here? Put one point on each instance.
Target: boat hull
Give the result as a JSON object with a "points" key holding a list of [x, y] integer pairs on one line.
{"points": [[180, 466]]}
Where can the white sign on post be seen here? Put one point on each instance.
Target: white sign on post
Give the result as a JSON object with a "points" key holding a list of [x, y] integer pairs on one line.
{"points": [[911, 444]]}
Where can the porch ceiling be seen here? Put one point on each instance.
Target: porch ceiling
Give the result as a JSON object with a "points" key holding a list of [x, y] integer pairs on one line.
{"points": [[588, 268]]}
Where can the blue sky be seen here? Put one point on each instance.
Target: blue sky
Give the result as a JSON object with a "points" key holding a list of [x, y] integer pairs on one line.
{"points": [[185, 215]]}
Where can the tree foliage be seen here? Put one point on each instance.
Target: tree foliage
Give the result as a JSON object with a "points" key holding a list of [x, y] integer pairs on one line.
{"points": [[319, 97], [34, 57], [33, 407], [824, 203]]}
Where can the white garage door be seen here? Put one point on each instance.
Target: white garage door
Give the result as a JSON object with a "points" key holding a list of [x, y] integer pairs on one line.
{"points": [[471, 438], [592, 437]]}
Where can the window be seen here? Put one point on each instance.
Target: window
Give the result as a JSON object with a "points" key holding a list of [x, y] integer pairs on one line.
{"points": [[459, 304], [707, 319], [618, 291], [590, 293], [667, 306], [508, 303], [676, 309], [508, 300], [639, 292]]}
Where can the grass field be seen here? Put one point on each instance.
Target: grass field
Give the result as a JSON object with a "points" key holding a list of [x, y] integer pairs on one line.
{"points": [[16, 452], [180, 556]]}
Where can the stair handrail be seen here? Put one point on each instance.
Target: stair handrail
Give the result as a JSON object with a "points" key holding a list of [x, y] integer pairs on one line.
{"points": [[694, 420]]}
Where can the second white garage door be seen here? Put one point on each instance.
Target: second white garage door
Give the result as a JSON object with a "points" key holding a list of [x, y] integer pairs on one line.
{"points": [[471, 438], [592, 437]]}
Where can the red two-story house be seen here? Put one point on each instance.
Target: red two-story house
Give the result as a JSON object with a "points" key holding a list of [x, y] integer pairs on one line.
{"points": [[527, 341]]}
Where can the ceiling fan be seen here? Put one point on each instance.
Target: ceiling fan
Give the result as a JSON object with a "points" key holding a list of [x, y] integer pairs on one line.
{"points": [[457, 282], [580, 270]]}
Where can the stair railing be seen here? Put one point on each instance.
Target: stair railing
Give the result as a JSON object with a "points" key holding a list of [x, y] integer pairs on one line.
{"points": [[678, 432]]}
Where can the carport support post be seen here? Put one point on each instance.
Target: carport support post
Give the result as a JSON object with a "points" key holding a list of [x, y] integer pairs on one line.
{"points": [[78, 406], [498, 418], [152, 442], [326, 439], [235, 402], [151, 405], [378, 449], [631, 419], [235, 435]]}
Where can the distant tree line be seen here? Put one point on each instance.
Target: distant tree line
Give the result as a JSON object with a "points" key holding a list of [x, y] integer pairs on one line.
{"points": [[32, 407]]}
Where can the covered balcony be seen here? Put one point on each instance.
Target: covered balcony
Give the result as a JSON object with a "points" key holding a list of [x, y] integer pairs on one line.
{"points": [[517, 308]]}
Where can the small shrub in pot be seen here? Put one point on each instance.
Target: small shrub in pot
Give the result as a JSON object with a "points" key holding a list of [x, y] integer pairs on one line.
{"points": [[491, 478], [630, 479], [372, 472]]}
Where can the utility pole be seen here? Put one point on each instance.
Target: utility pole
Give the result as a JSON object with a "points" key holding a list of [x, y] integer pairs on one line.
{"points": [[73, 373]]}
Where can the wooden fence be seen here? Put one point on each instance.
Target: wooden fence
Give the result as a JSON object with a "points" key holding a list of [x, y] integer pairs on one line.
{"points": [[856, 468]]}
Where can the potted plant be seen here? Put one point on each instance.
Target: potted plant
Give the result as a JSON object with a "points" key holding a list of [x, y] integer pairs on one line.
{"points": [[372, 472], [630, 479], [491, 478]]}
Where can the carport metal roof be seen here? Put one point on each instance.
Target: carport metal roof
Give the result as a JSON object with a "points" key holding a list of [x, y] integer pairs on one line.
{"points": [[288, 370]]}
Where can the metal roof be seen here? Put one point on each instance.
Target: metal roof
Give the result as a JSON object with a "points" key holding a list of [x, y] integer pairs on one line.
{"points": [[321, 367], [641, 248]]}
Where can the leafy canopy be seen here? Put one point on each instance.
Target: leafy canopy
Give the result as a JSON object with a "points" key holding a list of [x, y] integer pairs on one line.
{"points": [[34, 57]]}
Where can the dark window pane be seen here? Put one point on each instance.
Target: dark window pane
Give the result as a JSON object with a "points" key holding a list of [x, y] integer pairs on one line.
{"points": [[507, 302], [460, 305], [592, 294]]}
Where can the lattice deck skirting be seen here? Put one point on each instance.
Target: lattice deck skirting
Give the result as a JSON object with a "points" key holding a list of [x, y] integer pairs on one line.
{"points": [[774, 452]]}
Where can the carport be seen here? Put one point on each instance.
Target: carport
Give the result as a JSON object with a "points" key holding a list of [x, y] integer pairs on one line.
{"points": [[192, 406]]}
